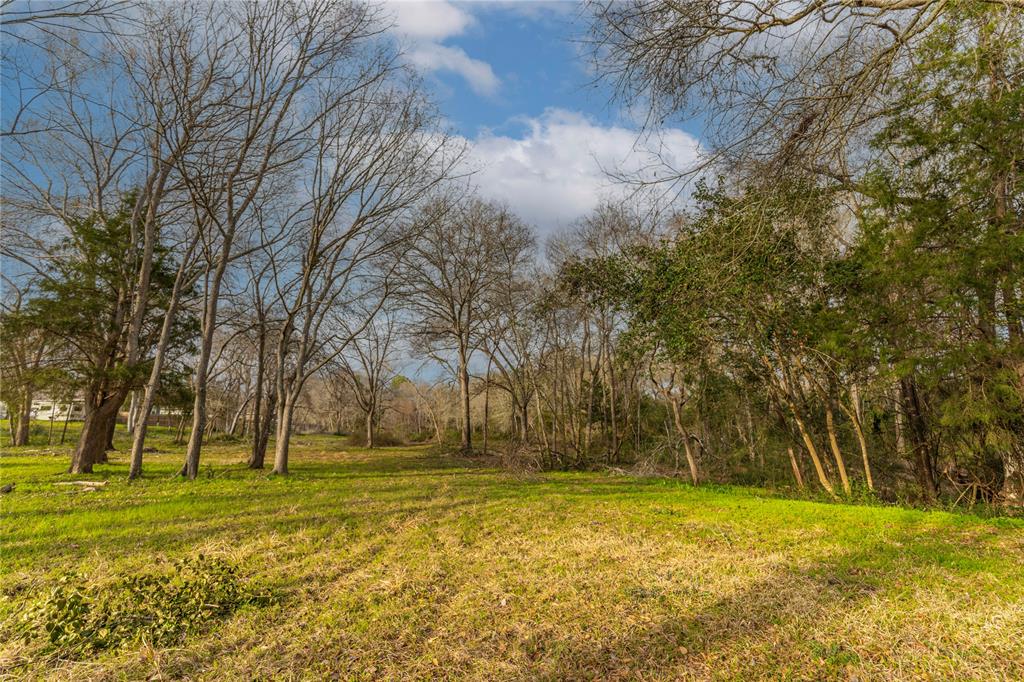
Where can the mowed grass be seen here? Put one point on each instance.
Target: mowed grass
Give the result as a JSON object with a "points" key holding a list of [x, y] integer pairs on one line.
{"points": [[407, 564]]}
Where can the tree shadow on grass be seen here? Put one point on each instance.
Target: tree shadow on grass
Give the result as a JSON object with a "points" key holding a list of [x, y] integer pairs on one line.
{"points": [[776, 626]]}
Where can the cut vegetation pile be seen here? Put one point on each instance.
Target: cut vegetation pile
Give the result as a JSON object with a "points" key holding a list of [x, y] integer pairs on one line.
{"points": [[405, 564]]}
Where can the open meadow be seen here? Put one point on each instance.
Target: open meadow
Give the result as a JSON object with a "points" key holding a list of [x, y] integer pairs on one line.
{"points": [[404, 563], [601, 340]]}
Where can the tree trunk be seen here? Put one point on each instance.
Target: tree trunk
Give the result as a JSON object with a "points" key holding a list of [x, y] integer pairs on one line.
{"points": [[785, 394], [467, 436], [111, 428], [233, 426], [524, 417], [195, 438], [67, 418], [540, 419], [202, 370], [370, 440], [639, 418], [796, 468], [899, 421], [691, 461], [588, 434], [284, 428], [813, 451], [1012, 491], [487, 416], [261, 436], [93, 439], [854, 415], [90, 443], [133, 413], [256, 457], [612, 396], [245, 425], [919, 437], [153, 382], [438, 435], [581, 446], [751, 444], [487, 403], [833, 442], [180, 433], [24, 420]]}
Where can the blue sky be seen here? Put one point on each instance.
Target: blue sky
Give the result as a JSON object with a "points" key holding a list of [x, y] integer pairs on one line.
{"points": [[510, 78], [531, 48]]}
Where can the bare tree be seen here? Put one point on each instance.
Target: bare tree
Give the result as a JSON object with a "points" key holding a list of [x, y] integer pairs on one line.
{"points": [[77, 168], [369, 368], [264, 328], [509, 334], [672, 386], [88, 15], [113, 127], [789, 83], [188, 67], [449, 274], [24, 355], [29, 27], [436, 400], [378, 153], [284, 55]]}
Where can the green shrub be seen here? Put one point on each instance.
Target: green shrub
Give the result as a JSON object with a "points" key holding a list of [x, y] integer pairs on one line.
{"points": [[161, 607]]}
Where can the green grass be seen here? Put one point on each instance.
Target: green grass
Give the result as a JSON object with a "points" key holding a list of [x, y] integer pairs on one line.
{"points": [[407, 564]]}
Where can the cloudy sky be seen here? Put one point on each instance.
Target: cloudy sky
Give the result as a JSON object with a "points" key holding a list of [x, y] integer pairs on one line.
{"points": [[510, 79]]}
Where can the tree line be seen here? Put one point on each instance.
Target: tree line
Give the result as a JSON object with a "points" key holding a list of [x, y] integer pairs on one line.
{"points": [[253, 213]]}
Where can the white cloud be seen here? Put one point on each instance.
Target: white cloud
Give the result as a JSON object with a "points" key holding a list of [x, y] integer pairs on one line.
{"points": [[424, 25], [435, 57], [432, 21], [558, 170]]}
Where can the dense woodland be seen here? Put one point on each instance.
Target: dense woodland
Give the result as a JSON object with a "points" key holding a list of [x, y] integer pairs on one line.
{"points": [[251, 216]]}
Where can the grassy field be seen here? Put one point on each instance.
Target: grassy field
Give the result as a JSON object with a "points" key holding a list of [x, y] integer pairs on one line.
{"points": [[406, 564]]}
